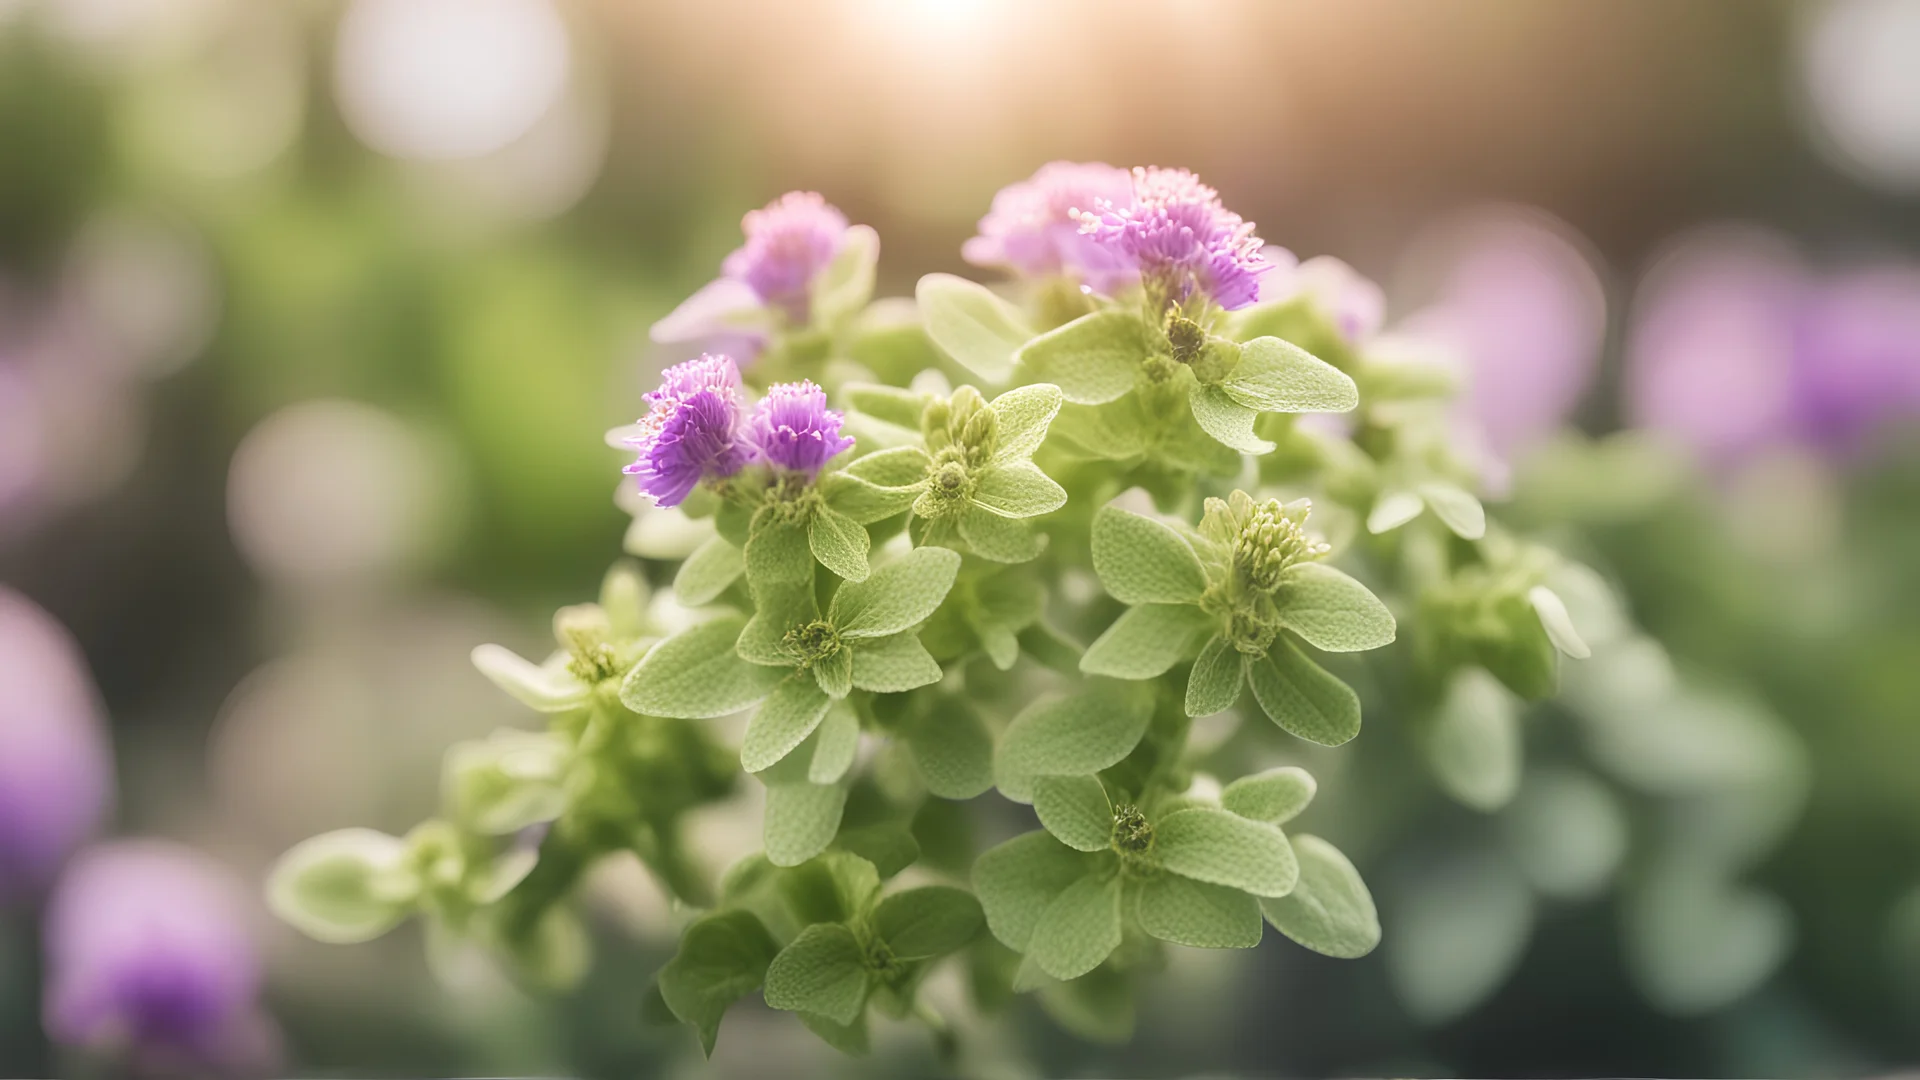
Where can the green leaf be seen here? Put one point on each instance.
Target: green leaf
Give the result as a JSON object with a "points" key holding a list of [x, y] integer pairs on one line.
{"points": [[833, 673], [1079, 929], [1457, 509], [1229, 422], [896, 405], [1051, 648], [932, 921], [996, 538], [801, 820], [1141, 561], [892, 664], [1217, 676], [1524, 657], [777, 552], [548, 687], [1072, 736], [850, 1039], [834, 887], [1146, 640], [1473, 744], [345, 886], [1093, 359], [1018, 880], [1393, 509], [696, 674], [972, 324], [1113, 432], [899, 595], [1075, 810], [837, 742], [707, 572], [840, 543], [508, 781], [1330, 910], [1198, 914], [888, 845], [952, 749], [845, 284], [1302, 697], [783, 722], [1017, 489], [1278, 376], [777, 610], [1022, 416], [723, 957], [1331, 610], [1274, 796], [1557, 623], [1208, 844], [902, 466], [822, 972], [862, 501]]}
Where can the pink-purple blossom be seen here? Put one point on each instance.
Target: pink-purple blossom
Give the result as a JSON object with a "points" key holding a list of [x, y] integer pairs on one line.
{"points": [[1175, 230], [56, 767], [793, 429], [1351, 302], [692, 431], [1031, 229], [149, 958], [789, 242]]}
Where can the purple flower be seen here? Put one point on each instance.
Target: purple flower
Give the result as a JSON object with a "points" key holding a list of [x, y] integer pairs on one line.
{"points": [[149, 958], [1181, 238], [1031, 229], [789, 241], [56, 767], [793, 429], [1857, 354], [692, 432], [1353, 304]]}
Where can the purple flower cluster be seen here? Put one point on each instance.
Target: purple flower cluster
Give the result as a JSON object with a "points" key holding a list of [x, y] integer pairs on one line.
{"points": [[1183, 241], [793, 429], [789, 241], [149, 958], [1736, 347], [56, 768], [697, 431], [1031, 228]]}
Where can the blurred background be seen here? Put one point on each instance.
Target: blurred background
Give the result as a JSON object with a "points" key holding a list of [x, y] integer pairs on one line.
{"points": [[312, 315]]}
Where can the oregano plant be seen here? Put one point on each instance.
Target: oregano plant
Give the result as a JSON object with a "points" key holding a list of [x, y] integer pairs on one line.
{"points": [[980, 558]]}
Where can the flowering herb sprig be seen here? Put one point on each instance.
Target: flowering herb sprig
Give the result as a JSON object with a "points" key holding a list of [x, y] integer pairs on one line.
{"points": [[976, 566]]}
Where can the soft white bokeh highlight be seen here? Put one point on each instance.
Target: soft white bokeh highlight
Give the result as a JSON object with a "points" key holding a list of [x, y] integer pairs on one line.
{"points": [[1860, 66]]}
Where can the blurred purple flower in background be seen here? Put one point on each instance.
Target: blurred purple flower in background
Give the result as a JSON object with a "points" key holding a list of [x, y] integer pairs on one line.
{"points": [[1352, 303], [792, 428], [149, 960], [1031, 230], [1736, 346], [789, 241], [1181, 238], [692, 433], [56, 765]]}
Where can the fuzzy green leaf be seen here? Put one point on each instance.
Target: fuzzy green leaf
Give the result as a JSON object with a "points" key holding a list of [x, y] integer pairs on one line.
{"points": [[892, 664], [836, 742], [1079, 929], [800, 820], [822, 972], [1093, 359], [344, 886], [902, 466], [897, 596], [1072, 736], [1022, 416], [1018, 880], [926, 922], [996, 538], [1330, 911], [840, 543], [548, 687], [863, 501], [972, 324], [845, 284], [1017, 489], [1557, 623], [952, 749], [696, 674], [707, 572], [1229, 422], [1393, 509], [777, 610], [1274, 796], [1473, 744], [777, 552], [1198, 914], [783, 722], [1217, 676], [1146, 640], [1302, 697], [1207, 844], [833, 674], [1075, 810], [1278, 376], [723, 957], [1457, 509], [896, 405], [1141, 561], [1331, 610]]}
